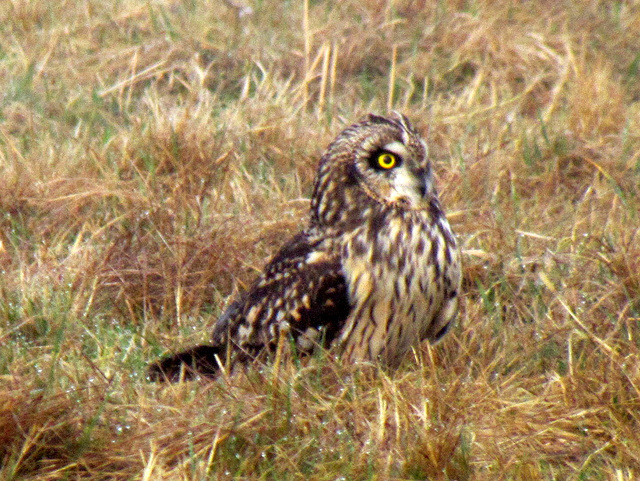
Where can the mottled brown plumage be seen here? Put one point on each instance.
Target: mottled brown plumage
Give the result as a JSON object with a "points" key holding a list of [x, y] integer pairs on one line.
{"points": [[375, 273]]}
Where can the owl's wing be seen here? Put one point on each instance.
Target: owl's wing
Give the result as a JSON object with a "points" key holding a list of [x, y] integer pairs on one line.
{"points": [[302, 291]]}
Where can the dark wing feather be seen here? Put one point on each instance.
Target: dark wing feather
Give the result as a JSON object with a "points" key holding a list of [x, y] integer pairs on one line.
{"points": [[302, 291], [302, 287], [195, 361]]}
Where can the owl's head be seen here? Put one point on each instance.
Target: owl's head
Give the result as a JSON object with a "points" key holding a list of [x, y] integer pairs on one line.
{"points": [[379, 159]]}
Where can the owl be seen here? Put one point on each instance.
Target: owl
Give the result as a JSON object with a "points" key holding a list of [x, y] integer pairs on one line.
{"points": [[375, 273]]}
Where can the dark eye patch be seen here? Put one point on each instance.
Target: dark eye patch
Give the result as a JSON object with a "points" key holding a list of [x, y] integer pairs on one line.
{"points": [[383, 160]]}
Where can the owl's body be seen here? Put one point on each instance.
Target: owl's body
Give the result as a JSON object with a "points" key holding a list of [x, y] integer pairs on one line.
{"points": [[374, 274]]}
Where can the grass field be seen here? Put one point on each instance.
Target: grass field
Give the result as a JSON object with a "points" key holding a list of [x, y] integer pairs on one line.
{"points": [[154, 154]]}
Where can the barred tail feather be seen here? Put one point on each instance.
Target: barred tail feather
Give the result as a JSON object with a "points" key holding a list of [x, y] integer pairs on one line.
{"points": [[189, 364]]}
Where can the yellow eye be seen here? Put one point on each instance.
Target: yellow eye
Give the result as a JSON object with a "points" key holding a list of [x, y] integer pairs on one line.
{"points": [[387, 160]]}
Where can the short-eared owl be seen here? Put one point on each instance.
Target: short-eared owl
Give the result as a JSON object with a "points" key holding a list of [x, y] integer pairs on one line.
{"points": [[376, 271]]}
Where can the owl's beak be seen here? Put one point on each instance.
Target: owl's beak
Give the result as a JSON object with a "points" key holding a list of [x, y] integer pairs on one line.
{"points": [[425, 182]]}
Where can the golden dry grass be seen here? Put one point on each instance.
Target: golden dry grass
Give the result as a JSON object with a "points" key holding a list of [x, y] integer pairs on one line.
{"points": [[154, 154]]}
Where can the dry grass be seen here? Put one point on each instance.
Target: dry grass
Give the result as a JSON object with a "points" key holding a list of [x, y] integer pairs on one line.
{"points": [[154, 154]]}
